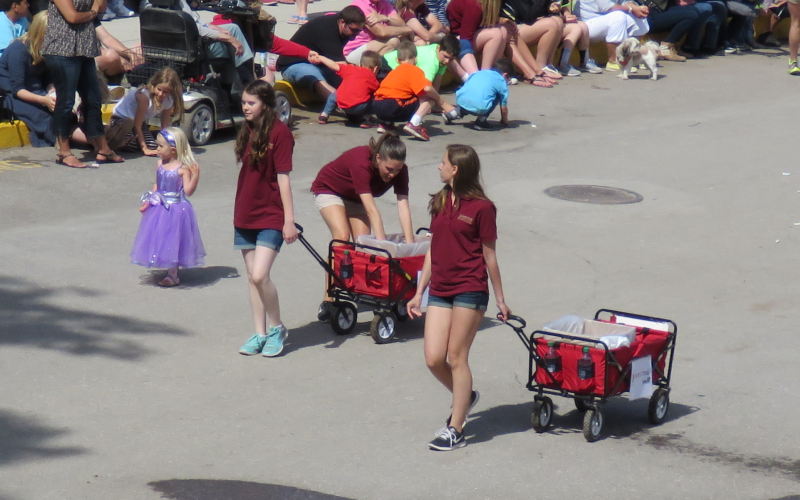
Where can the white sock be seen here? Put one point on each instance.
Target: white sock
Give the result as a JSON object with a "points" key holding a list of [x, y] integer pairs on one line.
{"points": [[416, 120]]}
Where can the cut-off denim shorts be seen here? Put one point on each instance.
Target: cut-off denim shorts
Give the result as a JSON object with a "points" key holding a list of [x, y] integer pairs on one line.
{"points": [[249, 239], [468, 300]]}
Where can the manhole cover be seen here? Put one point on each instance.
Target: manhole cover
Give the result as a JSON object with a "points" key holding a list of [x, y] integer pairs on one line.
{"points": [[599, 195]]}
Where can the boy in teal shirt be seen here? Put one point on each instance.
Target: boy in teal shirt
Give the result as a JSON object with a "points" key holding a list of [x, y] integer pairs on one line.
{"points": [[481, 93]]}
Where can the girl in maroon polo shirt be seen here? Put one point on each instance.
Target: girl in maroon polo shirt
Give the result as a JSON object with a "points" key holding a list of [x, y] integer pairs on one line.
{"points": [[345, 191], [458, 266], [263, 214]]}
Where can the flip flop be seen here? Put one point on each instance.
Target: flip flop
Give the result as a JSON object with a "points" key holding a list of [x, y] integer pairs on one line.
{"points": [[111, 157], [169, 281], [539, 81], [62, 160], [297, 20]]}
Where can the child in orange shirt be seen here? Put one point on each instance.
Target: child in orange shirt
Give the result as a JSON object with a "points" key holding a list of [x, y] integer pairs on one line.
{"points": [[405, 94], [354, 94]]}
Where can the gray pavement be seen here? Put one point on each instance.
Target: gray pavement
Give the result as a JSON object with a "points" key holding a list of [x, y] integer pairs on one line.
{"points": [[114, 388]]}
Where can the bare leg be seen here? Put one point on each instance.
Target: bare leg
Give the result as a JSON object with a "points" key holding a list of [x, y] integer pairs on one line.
{"points": [[794, 30], [546, 34], [302, 8], [263, 294], [491, 43], [463, 327], [435, 340], [469, 63]]}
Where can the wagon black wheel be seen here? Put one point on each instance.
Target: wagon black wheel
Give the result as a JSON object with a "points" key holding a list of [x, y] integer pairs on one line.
{"points": [[592, 424], [581, 405], [343, 318], [400, 311], [659, 406], [542, 414], [382, 328]]}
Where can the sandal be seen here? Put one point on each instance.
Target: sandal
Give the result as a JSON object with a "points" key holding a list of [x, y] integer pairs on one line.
{"points": [[322, 119], [63, 159], [169, 281], [539, 81], [550, 79], [111, 157], [297, 20]]}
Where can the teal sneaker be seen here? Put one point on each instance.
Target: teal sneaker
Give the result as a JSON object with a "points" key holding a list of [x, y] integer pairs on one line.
{"points": [[254, 345], [275, 337]]}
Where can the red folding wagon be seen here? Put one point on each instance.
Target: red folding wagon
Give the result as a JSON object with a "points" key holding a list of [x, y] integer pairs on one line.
{"points": [[373, 278], [592, 368]]}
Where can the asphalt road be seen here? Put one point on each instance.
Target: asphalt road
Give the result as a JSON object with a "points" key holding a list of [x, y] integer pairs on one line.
{"points": [[111, 387]]}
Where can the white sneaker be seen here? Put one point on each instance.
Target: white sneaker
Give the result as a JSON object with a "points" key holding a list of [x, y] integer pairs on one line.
{"points": [[592, 67]]}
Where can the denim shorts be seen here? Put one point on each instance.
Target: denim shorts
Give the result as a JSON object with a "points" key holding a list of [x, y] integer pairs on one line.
{"points": [[248, 239], [305, 74], [465, 47], [467, 300]]}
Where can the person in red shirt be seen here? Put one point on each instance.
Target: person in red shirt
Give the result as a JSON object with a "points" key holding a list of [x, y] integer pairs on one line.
{"points": [[263, 213], [354, 95], [405, 94], [345, 191], [458, 266]]}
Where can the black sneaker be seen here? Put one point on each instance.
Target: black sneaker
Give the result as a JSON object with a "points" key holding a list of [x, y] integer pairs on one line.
{"points": [[473, 400], [324, 311], [482, 125], [448, 439]]}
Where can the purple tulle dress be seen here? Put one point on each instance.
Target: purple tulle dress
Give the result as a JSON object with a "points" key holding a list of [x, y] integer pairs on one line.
{"points": [[168, 234]]}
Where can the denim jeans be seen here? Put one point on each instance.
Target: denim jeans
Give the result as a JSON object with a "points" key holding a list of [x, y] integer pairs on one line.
{"points": [[678, 20], [70, 74], [711, 23]]}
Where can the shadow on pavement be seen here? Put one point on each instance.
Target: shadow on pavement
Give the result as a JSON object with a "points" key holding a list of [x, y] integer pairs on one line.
{"points": [[220, 489], [29, 320], [196, 277], [24, 438], [623, 419]]}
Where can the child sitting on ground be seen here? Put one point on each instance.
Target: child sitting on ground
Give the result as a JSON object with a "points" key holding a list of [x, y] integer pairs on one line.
{"points": [[481, 93], [354, 94], [405, 94], [433, 59]]}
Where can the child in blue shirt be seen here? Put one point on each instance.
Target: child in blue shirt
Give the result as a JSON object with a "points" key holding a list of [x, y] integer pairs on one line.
{"points": [[481, 93]]}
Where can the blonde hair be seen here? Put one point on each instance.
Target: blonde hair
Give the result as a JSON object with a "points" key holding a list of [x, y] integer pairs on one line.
{"points": [[169, 77], [182, 149], [35, 36], [491, 12]]}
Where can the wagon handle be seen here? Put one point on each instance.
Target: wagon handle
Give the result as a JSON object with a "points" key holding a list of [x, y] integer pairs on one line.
{"points": [[511, 317], [299, 227]]}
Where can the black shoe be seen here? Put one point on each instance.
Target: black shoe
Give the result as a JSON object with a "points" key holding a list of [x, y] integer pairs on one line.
{"points": [[448, 439], [473, 400], [324, 311], [482, 125]]}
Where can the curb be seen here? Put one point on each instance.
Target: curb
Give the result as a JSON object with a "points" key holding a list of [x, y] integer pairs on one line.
{"points": [[14, 134]]}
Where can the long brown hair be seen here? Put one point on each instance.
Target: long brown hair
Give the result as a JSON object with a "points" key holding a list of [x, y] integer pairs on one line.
{"points": [[389, 146], [467, 180], [169, 77], [260, 126]]}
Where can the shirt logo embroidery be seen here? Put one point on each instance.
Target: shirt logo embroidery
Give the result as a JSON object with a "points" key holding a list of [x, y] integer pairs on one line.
{"points": [[464, 218]]}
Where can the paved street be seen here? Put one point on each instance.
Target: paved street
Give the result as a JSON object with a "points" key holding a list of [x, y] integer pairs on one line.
{"points": [[113, 388]]}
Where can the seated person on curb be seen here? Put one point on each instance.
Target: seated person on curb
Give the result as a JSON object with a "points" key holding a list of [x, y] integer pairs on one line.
{"points": [[354, 94], [13, 21], [23, 76], [575, 33], [533, 22], [675, 20], [384, 30], [479, 32], [115, 58], [405, 94], [613, 21], [327, 36], [433, 59], [426, 27], [481, 93]]}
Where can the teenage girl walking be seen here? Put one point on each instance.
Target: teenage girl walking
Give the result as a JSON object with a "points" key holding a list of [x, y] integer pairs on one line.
{"points": [[161, 96], [263, 215], [462, 253], [168, 235]]}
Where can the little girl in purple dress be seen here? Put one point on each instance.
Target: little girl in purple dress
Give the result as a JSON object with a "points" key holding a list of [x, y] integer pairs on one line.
{"points": [[168, 235]]}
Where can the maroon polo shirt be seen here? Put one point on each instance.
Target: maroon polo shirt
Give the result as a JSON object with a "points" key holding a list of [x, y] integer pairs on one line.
{"points": [[258, 199], [457, 264], [353, 174]]}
